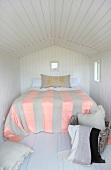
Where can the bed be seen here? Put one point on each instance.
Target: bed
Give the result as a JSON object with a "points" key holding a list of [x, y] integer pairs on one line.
{"points": [[47, 110]]}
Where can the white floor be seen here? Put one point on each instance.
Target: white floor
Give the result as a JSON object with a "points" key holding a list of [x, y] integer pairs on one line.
{"points": [[45, 156]]}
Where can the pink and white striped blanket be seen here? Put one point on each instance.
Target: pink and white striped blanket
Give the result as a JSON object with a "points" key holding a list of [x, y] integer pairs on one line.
{"points": [[48, 111]]}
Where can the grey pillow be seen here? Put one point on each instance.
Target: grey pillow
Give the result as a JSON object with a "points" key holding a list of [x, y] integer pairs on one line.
{"points": [[12, 155], [55, 81], [96, 120]]}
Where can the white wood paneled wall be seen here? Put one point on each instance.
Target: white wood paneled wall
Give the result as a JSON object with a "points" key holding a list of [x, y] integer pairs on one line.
{"points": [[9, 84], [70, 62], [101, 92]]}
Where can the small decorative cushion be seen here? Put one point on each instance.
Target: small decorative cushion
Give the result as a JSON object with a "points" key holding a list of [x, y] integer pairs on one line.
{"points": [[12, 155], [103, 139], [96, 120], [74, 120], [54, 81]]}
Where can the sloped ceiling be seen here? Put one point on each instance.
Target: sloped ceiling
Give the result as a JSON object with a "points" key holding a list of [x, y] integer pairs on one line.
{"points": [[30, 25]]}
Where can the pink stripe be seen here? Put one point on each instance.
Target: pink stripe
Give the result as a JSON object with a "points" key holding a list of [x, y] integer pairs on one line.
{"points": [[67, 109], [8, 134], [15, 117], [109, 140], [27, 104], [86, 102], [47, 105]]}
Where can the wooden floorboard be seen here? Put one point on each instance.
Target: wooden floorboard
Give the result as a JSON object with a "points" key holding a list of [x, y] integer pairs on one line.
{"points": [[46, 146]]}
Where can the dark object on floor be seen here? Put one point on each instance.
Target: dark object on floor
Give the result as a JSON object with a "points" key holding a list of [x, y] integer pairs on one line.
{"points": [[74, 120], [95, 156], [108, 124]]}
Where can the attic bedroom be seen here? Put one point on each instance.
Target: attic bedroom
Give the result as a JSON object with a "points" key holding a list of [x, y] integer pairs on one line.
{"points": [[55, 87]]}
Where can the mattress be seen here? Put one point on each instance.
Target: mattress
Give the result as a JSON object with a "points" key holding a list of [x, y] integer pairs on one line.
{"points": [[45, 110]]}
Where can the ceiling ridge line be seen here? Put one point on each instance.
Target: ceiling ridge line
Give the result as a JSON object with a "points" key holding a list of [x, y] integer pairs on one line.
{"points": [[76, 43], [29, 45], [73, 50], [90, 21], [42, 48]]}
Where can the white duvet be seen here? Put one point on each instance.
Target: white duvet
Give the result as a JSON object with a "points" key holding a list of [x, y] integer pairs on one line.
{"points": [[52, 88]]}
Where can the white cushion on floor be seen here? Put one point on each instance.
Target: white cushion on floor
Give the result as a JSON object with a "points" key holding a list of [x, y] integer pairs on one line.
{"points": [[12, 155]]}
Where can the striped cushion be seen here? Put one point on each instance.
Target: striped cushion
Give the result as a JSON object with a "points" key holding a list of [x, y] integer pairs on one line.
{"points": [[55, 81], [103, 140]]}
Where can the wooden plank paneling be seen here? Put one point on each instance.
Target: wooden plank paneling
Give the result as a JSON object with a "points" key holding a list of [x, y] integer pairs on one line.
{"points": [[39, 62], [101, 91]]}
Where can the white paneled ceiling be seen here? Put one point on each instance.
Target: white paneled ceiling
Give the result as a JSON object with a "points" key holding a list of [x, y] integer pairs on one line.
{"points": [[30, 25]]}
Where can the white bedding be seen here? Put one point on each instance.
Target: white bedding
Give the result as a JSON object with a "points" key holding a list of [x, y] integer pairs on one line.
{"points": [[52, 88]]}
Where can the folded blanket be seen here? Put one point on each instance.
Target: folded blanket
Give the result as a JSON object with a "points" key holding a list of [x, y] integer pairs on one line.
{"points": [[80, 152], [84, 141]]}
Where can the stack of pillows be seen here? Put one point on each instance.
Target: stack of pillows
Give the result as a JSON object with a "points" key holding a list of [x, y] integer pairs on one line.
{"points": [[55, 81], [96, 120]]}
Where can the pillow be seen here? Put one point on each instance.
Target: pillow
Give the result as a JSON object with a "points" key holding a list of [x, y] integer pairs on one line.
{"points": [[75, 82], [36, 82], [103, 138], [96, 120], [12, 155], [55, 81]]}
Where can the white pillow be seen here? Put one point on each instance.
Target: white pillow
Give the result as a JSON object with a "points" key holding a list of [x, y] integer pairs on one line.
{"points": [[75, 82], [96, 120], [12, 155], [36, 82]]}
